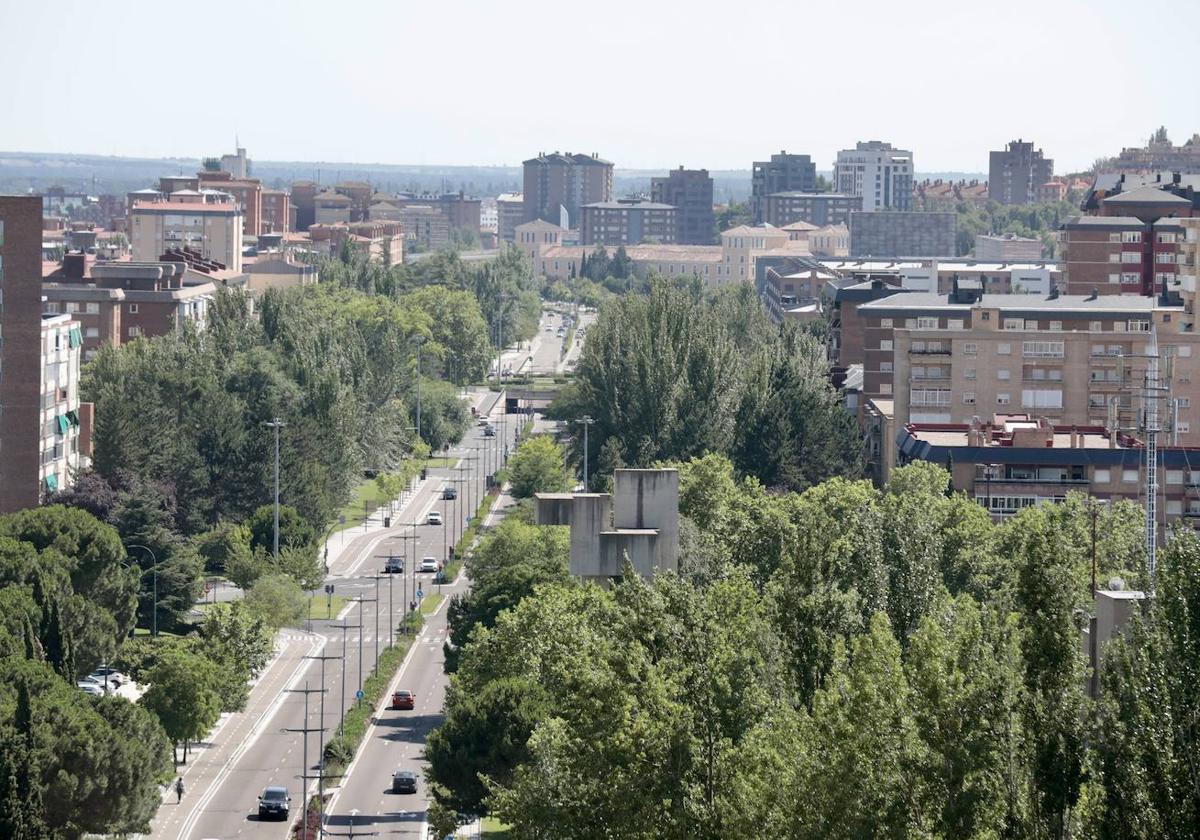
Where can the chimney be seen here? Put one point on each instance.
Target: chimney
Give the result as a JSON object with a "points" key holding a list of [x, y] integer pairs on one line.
{"points": [[74, 265], [1095, 294]]}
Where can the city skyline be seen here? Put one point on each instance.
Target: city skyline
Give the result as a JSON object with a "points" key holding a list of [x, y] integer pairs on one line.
{"points": [[947, 82]]}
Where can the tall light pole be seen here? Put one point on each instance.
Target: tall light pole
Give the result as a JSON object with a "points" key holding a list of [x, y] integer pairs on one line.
{"points": [[419, 340], [154, 569], [586, 420], [276, 424]]}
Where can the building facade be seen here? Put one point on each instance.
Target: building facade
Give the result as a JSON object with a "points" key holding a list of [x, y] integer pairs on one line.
{"points": [[878, 173], [1009, 247], [903, 234], [213, 229], [820, 209], [627, 221], [60, 443], [510, 212], [426, 226], [1114, 255], [276, 212], [1017, 173], [690, 192], [561, 183], [782, 173]]}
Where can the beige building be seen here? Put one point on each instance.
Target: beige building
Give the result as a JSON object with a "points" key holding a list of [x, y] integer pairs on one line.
{"points": [[63, 449], [560, 262], [213, 229], [1074, 360], [1008, 247], [276, 271], [531, 238], [830, 241]]}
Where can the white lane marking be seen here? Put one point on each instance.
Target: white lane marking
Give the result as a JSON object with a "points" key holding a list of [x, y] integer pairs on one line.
{"points": [[256, 730]]}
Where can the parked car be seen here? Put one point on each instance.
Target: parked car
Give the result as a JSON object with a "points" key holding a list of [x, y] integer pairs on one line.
{"points": [[435, 517], [428, 564], [114, 677], [274, 802], [90, 688], [393, 565], [404, 781], [403, 699], [449, 492]]}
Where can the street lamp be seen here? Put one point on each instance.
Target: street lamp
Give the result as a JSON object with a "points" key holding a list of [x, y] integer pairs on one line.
{"points": [[418, 341], [586, 420], [276, 424], [153, 568]]}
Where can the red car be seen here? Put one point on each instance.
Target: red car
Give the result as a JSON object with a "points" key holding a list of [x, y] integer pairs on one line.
{"points": [[402, 699]]}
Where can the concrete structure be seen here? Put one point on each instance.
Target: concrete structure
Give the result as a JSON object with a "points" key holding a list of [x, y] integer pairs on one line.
{"points": [[820, 209], [237, 165], [1008, 247], [829, 241], [360, 195], [380, 241], [211, 228], [557, 184], [461, 211], [782, 173], [881, 174], [742, 245], [793, 291], [533, 238], [639, 521], [877, 423], [903, 234], [276, 271], [627, 221], [690, 192], [510, 212], [426, 226], [1016, 173], [938, 275]]}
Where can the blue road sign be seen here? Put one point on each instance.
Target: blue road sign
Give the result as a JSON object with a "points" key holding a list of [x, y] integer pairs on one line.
{"points": [[359, 694], [420, 593]]}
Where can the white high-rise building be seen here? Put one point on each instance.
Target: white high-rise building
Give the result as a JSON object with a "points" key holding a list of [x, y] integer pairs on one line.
{"points": [[882, 175]]}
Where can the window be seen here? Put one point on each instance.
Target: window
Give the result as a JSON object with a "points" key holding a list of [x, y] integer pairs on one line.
{"points": [[885, 388], [1131, 257], [1183, 427], [1098, 350], [1184, 351], [1043, 349], [954, 324], [970, 348], [929, 396], [969, 398], [1174, 477], [1101, 476], [50, 308], [1056, 326], [1131, 236], [72, 307], [1183, 402], [1096, 326], [1174, 507], [1114, 237], [1139, 326], [1113, 257], [886, 344], [969, 373], [1002, 399], [1003, 374], [93, 332], [1129, 476], [1114, 278], [918, 372], [886, 323], [93, 309], [1003, 349], [927, 323], [133, 307], [1041, 398], [134, 332], [885, 367], [1014, 324], [1163, 238], [1165, 257]]}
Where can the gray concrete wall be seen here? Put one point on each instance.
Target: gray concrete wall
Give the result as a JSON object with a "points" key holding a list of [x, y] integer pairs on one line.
{"points": [[552, 508], [903, 234], [640, 547], [590, 514], [650, 499]]}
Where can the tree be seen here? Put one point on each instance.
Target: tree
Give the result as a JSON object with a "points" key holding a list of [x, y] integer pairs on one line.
{"points": [[276, 599], [223, 547], [444, 415], [294, 530], [20, 797], [538, 467], [184, 694], [240, 645]]}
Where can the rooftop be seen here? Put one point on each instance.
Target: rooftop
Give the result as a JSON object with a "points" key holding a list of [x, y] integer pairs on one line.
{"points": [[185, 207], [1133, 304], [629, 204], [1148, 194]]}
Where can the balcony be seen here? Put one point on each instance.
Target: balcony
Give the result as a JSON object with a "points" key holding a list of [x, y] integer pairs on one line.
{"points": [[929, 351]]}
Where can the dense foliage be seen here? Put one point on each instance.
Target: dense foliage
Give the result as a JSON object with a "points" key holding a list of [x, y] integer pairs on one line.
{"points": [[674, 374], [837, 663]]}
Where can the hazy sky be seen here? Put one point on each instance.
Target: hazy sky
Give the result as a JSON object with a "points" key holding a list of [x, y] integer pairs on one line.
{"points": [[644, 84]]}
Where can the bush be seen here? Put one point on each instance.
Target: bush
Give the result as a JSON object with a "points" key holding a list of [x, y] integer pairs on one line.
{"points": [[338, 751]]}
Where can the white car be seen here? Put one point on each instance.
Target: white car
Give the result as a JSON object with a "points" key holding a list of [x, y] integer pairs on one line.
{"points": [[90, 688], [435, 517], [428, 564]]}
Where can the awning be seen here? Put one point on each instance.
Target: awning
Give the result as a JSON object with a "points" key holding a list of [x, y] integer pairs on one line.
{"points": [[51, 482], [63, 423]]}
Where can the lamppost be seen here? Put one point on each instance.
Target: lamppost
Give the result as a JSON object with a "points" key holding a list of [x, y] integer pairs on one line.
{"points": [[153, 568], [276, 424], [586, 420], [419, 340]]}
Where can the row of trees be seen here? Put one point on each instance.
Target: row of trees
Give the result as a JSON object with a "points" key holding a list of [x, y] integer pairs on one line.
{"points": [[841, 662], [676, 373]]}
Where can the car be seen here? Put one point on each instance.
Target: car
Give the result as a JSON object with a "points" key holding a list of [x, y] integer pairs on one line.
{"points": [[449, 493], [112, 676], [393, 565], [434, 518], [429, 564], [403, 699], [484, 421], [489, 431], [404, 781], [274, 802], [90, 688]]}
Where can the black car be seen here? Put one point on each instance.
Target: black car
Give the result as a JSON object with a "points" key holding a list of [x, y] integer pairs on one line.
{"points": [[449, 493], [404, 781], [489, 431], [393, 565], [274, 802]]}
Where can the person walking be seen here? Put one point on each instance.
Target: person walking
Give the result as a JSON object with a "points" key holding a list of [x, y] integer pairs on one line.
{"points": [[179, 790]]}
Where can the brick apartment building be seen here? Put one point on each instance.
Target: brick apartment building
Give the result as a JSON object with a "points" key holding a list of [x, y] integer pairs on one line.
{"points": [[248, 193], [782, 173], [820, 209], [627, 221], [1016, 173], [690, 192], [276, 212], [302, 196], [559, 182]]}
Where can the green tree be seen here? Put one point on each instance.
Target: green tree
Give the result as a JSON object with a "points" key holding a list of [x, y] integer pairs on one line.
{"points": [[185, 695], [240, 645], [223, 547], [538, 466], [276, 599], [294, 530], [20, 795]]}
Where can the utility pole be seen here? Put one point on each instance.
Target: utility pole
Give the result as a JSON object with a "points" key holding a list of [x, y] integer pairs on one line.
{"points": [[586, 420], [276, 424], [321, 748], [419, 340], [345, 627], [304, 730], [361, 600]]}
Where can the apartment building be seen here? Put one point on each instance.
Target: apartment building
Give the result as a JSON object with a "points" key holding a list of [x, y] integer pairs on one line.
{"points": [[276, 212], [820, 209], [879, 173], [360, 194], [331, 208], [627, 221], [212, 229], [303, 196], [782, 173], [792, 289], [426, 226], [1115, 255], [690, 192], [61, 439], [903, 234], [938, 275], [1072, 359], [1017, 172], [510, 212], [248, 193], [557, 185]]}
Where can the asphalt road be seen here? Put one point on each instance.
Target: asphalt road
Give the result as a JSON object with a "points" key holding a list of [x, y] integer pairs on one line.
{"points": [[259, 748]]}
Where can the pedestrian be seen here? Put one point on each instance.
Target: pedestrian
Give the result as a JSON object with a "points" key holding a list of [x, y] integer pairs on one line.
{"points": [[179, 790]]}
